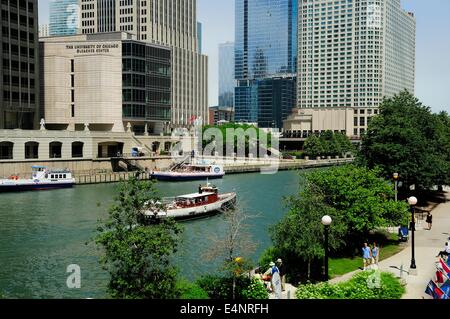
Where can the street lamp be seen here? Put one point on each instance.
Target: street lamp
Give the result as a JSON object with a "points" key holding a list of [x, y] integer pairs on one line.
{"points": [[396, 176], [412, 201], [326, 221]]}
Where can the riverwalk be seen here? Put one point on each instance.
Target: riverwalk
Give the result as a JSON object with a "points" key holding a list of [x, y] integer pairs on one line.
{"points": [[428, 243], [230, 167]]}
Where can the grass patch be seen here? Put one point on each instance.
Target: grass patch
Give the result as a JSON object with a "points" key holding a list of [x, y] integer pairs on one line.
{"points": [[342, 266]]}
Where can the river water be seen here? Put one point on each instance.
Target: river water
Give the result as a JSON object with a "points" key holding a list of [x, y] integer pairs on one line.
{"points": [[41, 233]]}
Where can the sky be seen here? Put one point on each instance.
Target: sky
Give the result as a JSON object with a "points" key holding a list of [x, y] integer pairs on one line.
{"points": [[432, 46]]}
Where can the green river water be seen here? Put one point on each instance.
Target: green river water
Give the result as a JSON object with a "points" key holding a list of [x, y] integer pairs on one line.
{"points": [[41, 233]]}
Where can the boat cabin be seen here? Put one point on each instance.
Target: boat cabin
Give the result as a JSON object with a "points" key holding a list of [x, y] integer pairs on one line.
{"points": [[42, 172], [197, 199]]}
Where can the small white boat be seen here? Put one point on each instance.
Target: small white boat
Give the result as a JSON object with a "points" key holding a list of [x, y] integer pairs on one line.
{"points": [[190, 173], [42, 178], [206, 202]]}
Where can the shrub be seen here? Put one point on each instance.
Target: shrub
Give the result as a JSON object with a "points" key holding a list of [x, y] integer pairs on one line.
{"points": [[221, 287], [271, 254], [190, 290], [359, 287], [255, 290]]}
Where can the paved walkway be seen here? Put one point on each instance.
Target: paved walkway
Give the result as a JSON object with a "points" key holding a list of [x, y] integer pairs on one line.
{"points": [[427, 244]]}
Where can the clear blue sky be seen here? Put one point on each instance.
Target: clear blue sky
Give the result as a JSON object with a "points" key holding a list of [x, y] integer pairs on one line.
{"points": [[433, 45]]}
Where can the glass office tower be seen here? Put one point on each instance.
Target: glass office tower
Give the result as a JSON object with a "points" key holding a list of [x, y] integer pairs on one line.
{"points": [[266, 47], [19, 69], [64, 17], [226, 74]]}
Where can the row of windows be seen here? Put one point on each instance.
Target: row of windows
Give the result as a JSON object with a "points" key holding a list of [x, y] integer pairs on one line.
{"points": [[24, 67], [15, 97], [14, 19], [22, 5], [15, 81]]}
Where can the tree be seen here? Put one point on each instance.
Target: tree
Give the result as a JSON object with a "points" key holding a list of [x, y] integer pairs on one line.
{"points": [[406, 138], [358, 201], [136, 254], [360, 196], [234, 246], [328, 143], [313, 146], [300, 234]]}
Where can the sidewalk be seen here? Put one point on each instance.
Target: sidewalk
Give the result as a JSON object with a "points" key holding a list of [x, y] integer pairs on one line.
{"points": [[427, 246]]}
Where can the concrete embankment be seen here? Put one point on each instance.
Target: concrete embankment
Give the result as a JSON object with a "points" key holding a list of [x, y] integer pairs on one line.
{"points": [[240, 168], [283, 166]]}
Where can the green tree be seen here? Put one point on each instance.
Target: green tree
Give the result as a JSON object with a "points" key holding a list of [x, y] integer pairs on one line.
{"points": [[313, 147], [300, 234], [328, 143], [406, 138], [358, 201], [363, 199], [136, 254]]}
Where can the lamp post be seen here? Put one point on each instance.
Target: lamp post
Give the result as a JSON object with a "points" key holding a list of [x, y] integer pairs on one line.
{"points": [[326, 222], [412, 201], [396, 176]]}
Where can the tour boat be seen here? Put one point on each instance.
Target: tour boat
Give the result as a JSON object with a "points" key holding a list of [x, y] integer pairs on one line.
{"points": [[206, 202], [190, 173], [42, 178]]}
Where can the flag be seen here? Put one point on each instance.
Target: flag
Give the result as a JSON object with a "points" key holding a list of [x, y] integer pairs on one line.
{"points": [[439, 277], [445, 267], [446, 289], [434, 291]]}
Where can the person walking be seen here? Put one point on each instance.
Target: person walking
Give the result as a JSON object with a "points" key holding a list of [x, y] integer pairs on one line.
{"points": [[282, 270], [367, 255], [429, 220], [445, 252], [375, 254]]}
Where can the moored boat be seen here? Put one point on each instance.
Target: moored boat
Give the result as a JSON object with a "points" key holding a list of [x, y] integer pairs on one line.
{"points": [[42, 178], [190, 173], [206, 202]]}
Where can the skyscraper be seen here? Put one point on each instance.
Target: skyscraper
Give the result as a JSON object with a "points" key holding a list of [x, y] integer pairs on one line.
{"points": [[354, 53], [64, 19], [226, 74], [19, 94], [170, 23], [266, 48], [200, 37]]}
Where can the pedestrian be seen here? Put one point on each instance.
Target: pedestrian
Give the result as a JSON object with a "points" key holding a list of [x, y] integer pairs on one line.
{"points": [[445, 252], [429, 220], [375, 254], [367, 255], [282, 270], [273, 269]]}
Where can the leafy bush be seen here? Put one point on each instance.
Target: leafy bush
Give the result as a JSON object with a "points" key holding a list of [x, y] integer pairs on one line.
{"points": [[255, 290], [271, 254], [221, 287], [190, 290], [361, 286]]}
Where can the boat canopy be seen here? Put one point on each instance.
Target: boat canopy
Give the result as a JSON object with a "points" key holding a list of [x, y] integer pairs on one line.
{"points": [[194, 196]]}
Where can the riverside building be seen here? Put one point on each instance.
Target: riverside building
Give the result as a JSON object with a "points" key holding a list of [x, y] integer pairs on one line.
{"points": [[106, 82], [19, 80], [169, 23], [226, 74], [265, 51], [64, 19], [352, 54]]}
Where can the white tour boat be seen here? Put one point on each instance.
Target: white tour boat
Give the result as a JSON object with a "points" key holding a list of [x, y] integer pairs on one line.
{"points": [[190, 172], [42, 178], [207, 201]]}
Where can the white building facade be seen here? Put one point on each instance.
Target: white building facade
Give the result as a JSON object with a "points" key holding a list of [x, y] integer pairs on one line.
{"points": [[170, 23], [354, 53]]}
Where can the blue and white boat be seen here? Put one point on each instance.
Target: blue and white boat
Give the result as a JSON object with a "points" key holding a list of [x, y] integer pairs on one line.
{"points": [[190, 173], [42, 178]]}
